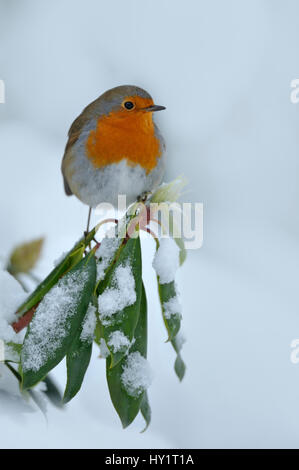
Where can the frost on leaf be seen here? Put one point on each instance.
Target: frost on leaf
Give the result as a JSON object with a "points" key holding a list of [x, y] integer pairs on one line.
{"points": [[49, 325], [136, 376], [89, 324], [120, 295]]}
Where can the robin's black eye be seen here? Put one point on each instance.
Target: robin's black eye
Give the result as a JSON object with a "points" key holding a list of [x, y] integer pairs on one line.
{"points": [[129, 105]]}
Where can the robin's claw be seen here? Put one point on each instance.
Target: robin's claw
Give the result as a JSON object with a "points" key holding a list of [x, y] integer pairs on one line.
{"points": [[143, 197]]}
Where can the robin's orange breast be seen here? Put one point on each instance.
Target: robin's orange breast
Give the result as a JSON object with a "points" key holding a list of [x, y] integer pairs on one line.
{"points": [[116, 138]]}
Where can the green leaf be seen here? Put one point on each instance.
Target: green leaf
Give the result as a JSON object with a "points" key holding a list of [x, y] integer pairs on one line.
{"points": [[47, 341], [145, 410], [126, 405], [67, 263], [122, 322], [172, 322], [77, 360], [173, 230], [179, 365], [183, 252]]}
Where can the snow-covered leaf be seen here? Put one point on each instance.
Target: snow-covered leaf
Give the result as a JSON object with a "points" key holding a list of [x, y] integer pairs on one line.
{"points": [[56, 322], [128, 380], [166, 260], [68, 262], [119, 300], [171, 308], [165, 264]]}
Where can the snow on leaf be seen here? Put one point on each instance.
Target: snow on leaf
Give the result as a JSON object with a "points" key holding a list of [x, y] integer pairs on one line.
{"points": [[137, 375], [57, 321], [49, 325], [118, 341], [166, 260], [89, 324], [104, 351], [172, 308], [105, 255], [122, 294]]}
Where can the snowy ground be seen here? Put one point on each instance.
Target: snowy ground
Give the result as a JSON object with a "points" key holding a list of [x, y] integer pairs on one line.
{"points": [[223, 69]]}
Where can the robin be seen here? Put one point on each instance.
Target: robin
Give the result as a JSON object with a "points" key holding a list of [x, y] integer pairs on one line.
{"points": [[114, 147]]}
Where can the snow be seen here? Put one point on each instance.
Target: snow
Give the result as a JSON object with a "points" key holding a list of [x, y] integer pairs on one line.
{"points": [[180, 340], [104, 350], [172, 308], [89, 324], [166, 260], [12, 296], [118, 341], [49, 325], [105, 254], [8, 382], [41, 387], [136, 376], [7, 333], [121, 295]]}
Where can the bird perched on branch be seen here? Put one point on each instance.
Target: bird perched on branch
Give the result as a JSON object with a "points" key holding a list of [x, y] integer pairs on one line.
{"points": [[114, 147]]}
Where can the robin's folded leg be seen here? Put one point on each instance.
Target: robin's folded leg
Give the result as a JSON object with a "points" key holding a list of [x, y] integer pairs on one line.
{"points": [[143, 197]]}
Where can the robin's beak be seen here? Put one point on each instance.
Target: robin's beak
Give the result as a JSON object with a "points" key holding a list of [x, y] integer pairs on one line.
{"points": [[154, 108]]}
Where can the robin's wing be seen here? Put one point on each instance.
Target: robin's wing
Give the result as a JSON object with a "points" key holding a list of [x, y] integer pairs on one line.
{"points": [[73, 136], [67, 189], [75, 130]]}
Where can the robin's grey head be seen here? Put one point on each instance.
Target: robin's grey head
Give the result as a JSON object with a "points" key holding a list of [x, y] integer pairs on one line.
{"points": [[127, 99]]}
